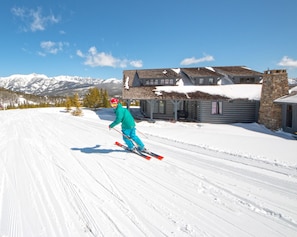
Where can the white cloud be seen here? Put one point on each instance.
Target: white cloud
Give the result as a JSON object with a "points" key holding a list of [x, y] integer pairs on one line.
{"points": [[136, 63], [33, 19], [79, 53], [41, 54], [17, 11], [102, 59], [53, 47], [193, 60], [287, 62], [94, 58]]}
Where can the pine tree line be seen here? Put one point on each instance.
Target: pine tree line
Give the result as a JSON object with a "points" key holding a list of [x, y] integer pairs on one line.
{"points": [[93, 99], [96, 98], [74, 102]]}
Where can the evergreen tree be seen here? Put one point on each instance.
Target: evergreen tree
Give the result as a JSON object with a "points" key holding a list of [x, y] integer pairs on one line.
{"points": [[76, 101], [96, 98], [77, 105], [105, 99], [68, 104], [92, 98]]}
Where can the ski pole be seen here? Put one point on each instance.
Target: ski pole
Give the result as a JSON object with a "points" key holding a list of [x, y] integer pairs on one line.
{"points": [[142, 134], [122, 133], [130, 137], [125, 136]]}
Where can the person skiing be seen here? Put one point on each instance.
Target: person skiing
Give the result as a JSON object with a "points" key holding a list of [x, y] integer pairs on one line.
{"points": [[127, 121]]}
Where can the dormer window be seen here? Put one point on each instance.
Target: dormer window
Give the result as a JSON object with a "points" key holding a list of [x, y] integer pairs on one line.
{"points": [[158, 82]]}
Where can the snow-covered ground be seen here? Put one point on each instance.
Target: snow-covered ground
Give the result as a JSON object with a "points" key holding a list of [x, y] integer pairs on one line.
{"points": [[63, 176]]}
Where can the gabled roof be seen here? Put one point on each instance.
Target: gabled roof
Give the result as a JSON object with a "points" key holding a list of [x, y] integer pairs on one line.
{"points": [[200, 72], [237, 71], [157, 73]]}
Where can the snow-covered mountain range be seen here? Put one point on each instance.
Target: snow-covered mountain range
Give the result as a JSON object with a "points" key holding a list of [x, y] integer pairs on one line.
{"points": [[40, 84]]}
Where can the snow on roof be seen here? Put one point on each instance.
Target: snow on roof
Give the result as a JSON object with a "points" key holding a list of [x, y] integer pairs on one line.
{"points": [[293, 89], [289, 99], [251, 92], [210, 68]]}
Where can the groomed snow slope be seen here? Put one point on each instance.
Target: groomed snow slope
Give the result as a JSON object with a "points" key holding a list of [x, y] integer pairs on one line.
{"points": [[63, 176]]}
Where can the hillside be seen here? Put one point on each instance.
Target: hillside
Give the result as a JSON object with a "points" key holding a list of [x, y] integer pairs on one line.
{"points": [[13, 98]]}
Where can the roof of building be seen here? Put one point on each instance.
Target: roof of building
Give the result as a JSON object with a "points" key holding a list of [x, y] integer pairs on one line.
{"points": [[133, 88], [201, 72], [287, 99], [238, 91], [237, 71], [157, 73]]}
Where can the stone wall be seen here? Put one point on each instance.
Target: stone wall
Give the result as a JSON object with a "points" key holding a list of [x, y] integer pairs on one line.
{"points": [[275, 85]]}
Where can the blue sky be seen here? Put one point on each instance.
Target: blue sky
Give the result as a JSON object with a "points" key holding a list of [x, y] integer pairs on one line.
{"points": [[100, 39]]}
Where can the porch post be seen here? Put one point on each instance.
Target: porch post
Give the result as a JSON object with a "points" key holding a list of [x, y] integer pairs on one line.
{"points": [[175, 104], [152, 105], [128, 102]]}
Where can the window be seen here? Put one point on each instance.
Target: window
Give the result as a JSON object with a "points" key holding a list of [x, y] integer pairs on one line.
{"points": [[211, 81], [156, 82], [289, 116], [159, 107], [150, 82], [217, 107], [168, 81], [201, 81], [247, 80]]}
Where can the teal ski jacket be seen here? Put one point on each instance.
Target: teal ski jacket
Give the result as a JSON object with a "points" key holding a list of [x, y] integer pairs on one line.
{"points": [[123, 116]]}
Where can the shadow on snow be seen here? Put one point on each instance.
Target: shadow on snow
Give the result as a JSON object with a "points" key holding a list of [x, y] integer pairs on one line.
{"points": [[95, 149]]}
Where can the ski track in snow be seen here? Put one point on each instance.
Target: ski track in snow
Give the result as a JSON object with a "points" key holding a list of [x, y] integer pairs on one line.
{"points": [[62, 176]]}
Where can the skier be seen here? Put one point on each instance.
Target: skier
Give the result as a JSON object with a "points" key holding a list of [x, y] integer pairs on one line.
{"points": [[128, 125]]}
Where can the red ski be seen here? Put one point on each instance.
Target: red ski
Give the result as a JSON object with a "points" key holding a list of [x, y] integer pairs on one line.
{"points": [[145, 156], [152, 154]]}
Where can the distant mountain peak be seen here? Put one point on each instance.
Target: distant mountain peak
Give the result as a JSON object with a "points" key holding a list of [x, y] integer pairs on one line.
{"points": [[40, 84]]}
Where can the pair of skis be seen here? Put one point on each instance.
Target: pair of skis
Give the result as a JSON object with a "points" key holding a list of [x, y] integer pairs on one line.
{"points": [[145, 154]]}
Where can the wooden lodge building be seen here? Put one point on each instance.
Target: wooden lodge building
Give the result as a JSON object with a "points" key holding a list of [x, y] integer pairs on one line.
{"points": [[196, 105], [195, 94]]}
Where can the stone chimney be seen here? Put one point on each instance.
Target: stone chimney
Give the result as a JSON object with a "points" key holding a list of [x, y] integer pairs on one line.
{"points": [[275, 85]]}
